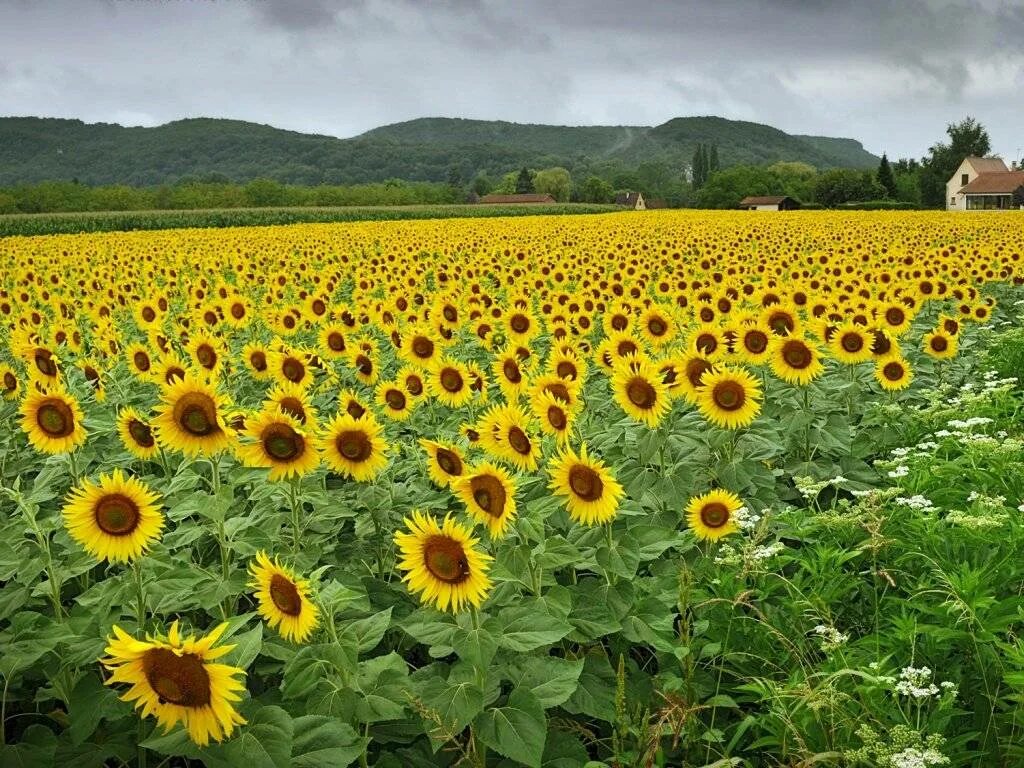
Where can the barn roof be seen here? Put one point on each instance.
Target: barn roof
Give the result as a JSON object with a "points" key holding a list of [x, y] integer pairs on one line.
{"points": [[764, 200], [627, 198], [1004, 183], [532, 197]]}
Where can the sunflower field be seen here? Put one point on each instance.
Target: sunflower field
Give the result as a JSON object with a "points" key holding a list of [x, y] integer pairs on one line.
{"points": [[659, 489]]}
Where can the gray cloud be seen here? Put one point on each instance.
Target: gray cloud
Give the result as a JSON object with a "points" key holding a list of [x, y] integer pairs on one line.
{"points": [[891, 74]]}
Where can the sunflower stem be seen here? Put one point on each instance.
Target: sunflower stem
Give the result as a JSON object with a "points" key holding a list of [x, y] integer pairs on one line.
{"points": [[296, 506], [140, 594], [73, 467]]}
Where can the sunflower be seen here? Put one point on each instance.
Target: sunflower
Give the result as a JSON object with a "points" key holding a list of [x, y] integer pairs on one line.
{"points": [[554, 415], [508, 370], [567, 365], [657, 326], [489, 495], [396, 402], [639, 391], [207, 352], [511, 438], [893, 373], [753, 344], [278, 443], [170, 368], [283, 599], [412, 380], [445, 462], [940, 345], [713, 515], [116, 519], [354, 447], [332, 341], [9, 383], [257, 359], [291, 366], [419, 346], [449, 382], [796, 360], [730, 397], [442, 563], [190, 418], [591, 492], [174, 679], [136, 434], [349, 402], [521, 326], [140, 361], [43, 364], [851, 344], [291, 399], [52, 421]]}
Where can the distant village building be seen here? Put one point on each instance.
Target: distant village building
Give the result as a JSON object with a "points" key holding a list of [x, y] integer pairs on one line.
{"points": [[632, 200], [655, 202], [769, 203], [532, 197], [985, 184]]}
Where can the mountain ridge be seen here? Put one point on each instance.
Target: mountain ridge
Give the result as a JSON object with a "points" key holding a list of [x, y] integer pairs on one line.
{"points": [[34, 149]]}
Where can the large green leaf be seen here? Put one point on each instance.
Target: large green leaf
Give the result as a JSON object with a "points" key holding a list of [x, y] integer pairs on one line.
{"points": [[524, 629], [324, 742], [517, 730], [551, 679]]}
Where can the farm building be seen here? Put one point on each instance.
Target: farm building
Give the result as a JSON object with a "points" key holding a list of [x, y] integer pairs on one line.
{"points": [[985, 184], [509, 199], [632, 200], [769, 203]]}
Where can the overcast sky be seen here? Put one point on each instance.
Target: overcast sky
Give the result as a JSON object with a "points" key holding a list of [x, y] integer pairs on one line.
{"points": [[891, 74]]}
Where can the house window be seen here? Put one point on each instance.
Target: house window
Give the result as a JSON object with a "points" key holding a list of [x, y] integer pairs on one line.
{"points": [[952, 201], [964, 179]]}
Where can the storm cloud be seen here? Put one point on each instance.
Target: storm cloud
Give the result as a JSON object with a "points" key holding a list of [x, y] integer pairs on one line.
{"points": [[890, 74]]}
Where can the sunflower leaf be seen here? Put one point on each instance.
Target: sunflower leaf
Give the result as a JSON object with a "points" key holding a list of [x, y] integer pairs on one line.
{"points": [[517, 730]]}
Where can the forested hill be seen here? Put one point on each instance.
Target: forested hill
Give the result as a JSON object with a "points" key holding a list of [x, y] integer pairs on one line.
{"points": [[429, 149]]}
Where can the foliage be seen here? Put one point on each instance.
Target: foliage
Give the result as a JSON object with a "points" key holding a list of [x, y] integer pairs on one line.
{"points": [[865, 611], [966, 138], [33, 150], [524, 182], [842, 185], [554, 181], [62, 223], [885, 177]]}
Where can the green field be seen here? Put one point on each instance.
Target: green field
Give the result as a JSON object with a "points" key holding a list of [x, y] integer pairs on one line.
{"points": [[126, 221]]}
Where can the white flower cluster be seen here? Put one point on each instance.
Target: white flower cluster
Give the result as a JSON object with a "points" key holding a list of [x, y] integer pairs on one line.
{"points": [[746, 519], [916, 682], [977, 521], [911, 757], [831, 638], [766, 551], [971, 423], [750, 554], [901, 470], [917, 502], [809, 487]]}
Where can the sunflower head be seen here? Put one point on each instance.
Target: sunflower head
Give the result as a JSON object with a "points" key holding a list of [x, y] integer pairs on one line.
{"points": [[136, 434], [278, 442], [590, 490], [442, 564], [115, 519], [283, 599], [489, 495], [796, 360], [893, 373], [445, 462], [354, 447], [53, 421], [190, 418], [730, 397], [639, 391], [176, 679], [713, 515]]}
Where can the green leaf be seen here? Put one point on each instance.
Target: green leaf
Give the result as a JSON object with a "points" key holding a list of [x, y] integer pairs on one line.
{"points": [[595, 694], [517, 730], [247, 647], [313, 663], [476, 646], [368, 632], [324, 742], [454, 703], [35, 749], [556, 552], [266, 742], [550, 679], [524, 629], [429, 627], [90, 702]]}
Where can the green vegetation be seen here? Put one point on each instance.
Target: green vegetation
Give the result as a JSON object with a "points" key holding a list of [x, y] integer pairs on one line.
{"points": [[432, 149], [66, 223]]}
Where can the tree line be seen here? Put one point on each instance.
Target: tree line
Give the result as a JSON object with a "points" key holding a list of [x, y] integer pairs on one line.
{"points": [[704, 184]]}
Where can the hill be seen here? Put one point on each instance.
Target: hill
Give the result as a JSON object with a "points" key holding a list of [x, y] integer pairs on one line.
{"points": [[428, 149]]}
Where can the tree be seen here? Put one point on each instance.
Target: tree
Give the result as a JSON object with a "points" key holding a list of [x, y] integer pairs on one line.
{"points": [[845, 185], [555, 182], [700, 167], [886, 178], [796, 179], [713, 160], [482, 184], [596, 190], [524, 183], [968, 138], [726, 188], [264, 192]]}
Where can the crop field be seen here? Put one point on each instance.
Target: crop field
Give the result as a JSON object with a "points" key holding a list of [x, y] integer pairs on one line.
{"points": [[653, 489]]}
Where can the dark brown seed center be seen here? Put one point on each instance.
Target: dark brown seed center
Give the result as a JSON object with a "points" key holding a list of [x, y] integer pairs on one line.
{"points": [[449, 462], [641, 393], [117, 515], [796, 354], [714, 515], [283, 443], [729, 395], [489, 494], [55, 418], [285, 595], [585, 482], [141, 433], [181, 680], [446, 560], [196, 413], [354, 445]]}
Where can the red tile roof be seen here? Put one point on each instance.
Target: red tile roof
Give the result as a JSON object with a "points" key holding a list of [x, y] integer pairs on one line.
{"points": [[988, 164], [999, 183], [768, 200]]}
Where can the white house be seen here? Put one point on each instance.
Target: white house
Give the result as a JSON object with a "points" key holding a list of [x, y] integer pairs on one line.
{"points": [[985, 184], [769, 203]]}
